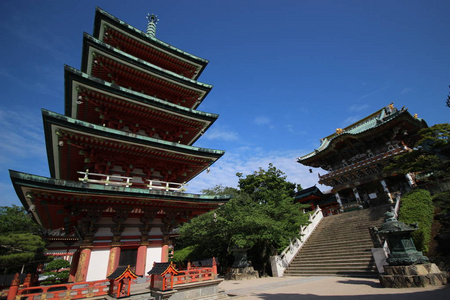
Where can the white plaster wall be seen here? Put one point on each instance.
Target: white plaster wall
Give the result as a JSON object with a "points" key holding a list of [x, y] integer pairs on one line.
{"points": [[98, 265], [153, 255]]}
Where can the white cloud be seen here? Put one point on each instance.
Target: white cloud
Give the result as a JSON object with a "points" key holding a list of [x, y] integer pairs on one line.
{"points": [[359, 107], [221, 134], [406, 90], [371, 93], [22, 140], [261, 120], [246, 160], [350, 120], [22, 148]]}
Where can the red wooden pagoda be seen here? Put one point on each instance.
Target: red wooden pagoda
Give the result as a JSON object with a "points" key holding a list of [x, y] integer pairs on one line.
{"points": [[121, 154]]}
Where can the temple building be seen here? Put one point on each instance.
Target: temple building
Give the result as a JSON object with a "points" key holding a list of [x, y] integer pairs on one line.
{"points": [[314, 197], [355, 157], [121, 154]]}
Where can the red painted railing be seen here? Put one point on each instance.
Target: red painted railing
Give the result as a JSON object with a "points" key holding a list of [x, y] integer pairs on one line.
{"points": [[190, 275], [77, 290], [198, 274]]}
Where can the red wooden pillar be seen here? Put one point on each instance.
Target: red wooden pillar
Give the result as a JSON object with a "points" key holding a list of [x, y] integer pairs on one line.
{"points": [[83, 265], [113, 261], [12, 292], [141, 259], [165, 249], [74, 266]]}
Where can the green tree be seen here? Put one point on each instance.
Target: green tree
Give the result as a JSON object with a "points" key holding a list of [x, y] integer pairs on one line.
{"points": [[430, 158], [442, 203], [261, 217], [56, 271], [15, 219], [417, 207], [447, 102], [20, 244]]}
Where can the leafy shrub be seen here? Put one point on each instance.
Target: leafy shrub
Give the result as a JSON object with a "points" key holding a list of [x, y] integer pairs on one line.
{"points": [[182, 255], [57, 264], [417, 207], [55, 277]]}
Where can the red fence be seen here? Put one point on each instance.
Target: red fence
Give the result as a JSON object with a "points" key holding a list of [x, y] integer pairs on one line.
{"points": [[89, 289], [77, 290], [168, 280]]}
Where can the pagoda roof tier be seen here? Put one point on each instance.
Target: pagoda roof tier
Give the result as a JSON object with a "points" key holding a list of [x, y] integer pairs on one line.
{"points": [[375, 125], [121, 35], [56, 203], [74, 146], [110, 64], [96, 101]]}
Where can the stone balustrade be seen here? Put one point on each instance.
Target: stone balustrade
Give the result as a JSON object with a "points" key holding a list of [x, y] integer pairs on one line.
{"points": [[279, 263]]}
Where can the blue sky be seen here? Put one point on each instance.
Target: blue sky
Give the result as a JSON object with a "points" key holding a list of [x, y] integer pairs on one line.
{"points": [[285, 73]]}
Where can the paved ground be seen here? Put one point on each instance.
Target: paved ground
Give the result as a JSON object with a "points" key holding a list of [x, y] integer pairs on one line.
{"points": [[317, 288]]}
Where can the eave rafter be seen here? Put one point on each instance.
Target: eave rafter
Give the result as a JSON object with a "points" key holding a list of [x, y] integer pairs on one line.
{"points": [[80, 151], [126, 76], [115, 112], [68, 208], [361, 169], [150, 54], [84, 141]]}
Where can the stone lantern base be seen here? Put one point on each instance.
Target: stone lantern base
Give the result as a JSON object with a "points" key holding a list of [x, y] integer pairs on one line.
{"points": [[412, 276], [241, 274]]}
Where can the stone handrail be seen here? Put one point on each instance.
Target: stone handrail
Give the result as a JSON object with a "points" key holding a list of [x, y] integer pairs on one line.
{"points": [[280, 262], [397, 205]]}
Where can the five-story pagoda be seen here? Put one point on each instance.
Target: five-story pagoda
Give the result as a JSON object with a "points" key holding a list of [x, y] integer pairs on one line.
{"points": [[120, 155]]}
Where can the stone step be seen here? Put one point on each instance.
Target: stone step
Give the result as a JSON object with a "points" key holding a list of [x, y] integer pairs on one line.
{"points": [[369, 274], [331, 258], [343, 251], [340, 246], [334, 265]]}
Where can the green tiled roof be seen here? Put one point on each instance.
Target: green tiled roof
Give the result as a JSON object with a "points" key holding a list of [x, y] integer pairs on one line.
{"points": [[88, 127], [146, 36], [147, 65], [35, 181], [380, 117], [134, 94]]}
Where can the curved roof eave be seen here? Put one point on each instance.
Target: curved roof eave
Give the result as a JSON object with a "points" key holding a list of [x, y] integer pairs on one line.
{"points": [[131, 29], [141, 62], [360, 128], [133, 94], [36, 181], [135, 138]]}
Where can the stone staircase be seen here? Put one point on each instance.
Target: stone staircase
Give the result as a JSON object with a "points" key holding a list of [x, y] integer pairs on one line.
{"points": [[340, 246]]}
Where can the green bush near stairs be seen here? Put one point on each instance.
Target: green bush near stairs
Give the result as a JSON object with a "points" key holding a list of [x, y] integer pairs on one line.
{"points": [[417, 207]]}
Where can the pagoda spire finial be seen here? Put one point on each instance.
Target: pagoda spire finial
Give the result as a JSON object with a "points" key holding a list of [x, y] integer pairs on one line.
{"points": [[151, 26]]}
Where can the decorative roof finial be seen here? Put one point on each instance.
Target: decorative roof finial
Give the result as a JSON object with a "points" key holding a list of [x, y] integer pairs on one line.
{"points": [[151, 26]]}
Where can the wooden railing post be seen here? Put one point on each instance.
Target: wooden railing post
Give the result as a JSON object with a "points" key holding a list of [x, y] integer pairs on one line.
{"points": [[214, 266], [27, 281], [12, 292]]}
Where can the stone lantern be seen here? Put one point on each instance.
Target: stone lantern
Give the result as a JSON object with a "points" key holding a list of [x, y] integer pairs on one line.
{"points": [[241, 268], [400, 243], [407, 266]]}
